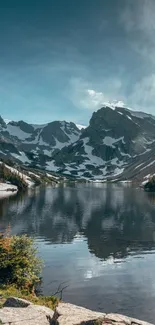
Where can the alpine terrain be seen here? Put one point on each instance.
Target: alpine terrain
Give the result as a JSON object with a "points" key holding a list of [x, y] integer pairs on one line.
{"points": [[118, 144]]}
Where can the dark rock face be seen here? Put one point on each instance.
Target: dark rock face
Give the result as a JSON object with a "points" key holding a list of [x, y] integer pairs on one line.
{"points": [[25, 127], [2, 123], [60, 131], [114, 144]]}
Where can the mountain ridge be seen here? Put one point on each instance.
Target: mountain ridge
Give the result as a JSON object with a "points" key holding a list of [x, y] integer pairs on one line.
{"points": [[116, 140]]}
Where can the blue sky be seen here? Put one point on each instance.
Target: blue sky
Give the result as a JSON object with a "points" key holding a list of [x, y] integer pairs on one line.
{"points": [[62, 59]]}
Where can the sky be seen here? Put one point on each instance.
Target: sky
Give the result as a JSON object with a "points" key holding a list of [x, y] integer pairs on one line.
{"points": [[63, 59]]}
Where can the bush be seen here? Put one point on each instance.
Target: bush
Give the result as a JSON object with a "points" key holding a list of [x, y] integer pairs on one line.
{"points": [[150, 186], [12, 291], [19, 264]]}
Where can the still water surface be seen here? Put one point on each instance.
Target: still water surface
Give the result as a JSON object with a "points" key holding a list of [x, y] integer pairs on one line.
{"points": [[97, 239]]}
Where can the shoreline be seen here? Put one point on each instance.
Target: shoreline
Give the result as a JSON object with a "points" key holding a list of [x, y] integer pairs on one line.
{"points": [[26, 313], [7, 190]]}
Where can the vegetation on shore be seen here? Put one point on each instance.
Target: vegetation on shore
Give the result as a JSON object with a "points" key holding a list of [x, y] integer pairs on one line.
{"points": [[13, 178], [150, 185], [22, 177], [20, 270]]}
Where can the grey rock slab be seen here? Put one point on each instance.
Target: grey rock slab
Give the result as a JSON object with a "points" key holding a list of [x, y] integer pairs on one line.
{"points": [[69, 314], [118, 318], [49, 313], [31, 315], [139, 322]]}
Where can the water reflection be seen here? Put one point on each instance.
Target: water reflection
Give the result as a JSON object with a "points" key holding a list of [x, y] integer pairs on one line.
{"points": [[115, 220], [98, 238]]}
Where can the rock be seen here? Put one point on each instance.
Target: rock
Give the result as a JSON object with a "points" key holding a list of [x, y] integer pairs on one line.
{"points": [[17, 302], [69, 314], [25, 315], [138, 322], [49, 313], [118, 318], [22, 312]]}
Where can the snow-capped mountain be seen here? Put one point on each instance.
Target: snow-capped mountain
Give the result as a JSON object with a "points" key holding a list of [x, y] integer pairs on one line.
{"points": [[118, 143], [115, 138], [30, 141]]}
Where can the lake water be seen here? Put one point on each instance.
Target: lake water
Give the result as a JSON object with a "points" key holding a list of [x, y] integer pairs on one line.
{"points": [[98, 240]]}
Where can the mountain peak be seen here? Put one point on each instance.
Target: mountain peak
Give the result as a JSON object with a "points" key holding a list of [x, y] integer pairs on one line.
{"points": [[2, 123], [114, 104]]}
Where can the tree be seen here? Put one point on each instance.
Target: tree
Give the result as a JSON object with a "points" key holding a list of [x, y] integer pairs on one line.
{"points": [[150, 186], [19, 263]]}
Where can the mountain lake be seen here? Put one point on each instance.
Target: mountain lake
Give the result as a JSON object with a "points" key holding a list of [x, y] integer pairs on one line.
{"points": [[97, 242]]}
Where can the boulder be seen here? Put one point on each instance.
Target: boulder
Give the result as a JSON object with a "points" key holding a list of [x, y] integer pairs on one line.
{"points": [[22, 312], [69, 314], [17, 302]]}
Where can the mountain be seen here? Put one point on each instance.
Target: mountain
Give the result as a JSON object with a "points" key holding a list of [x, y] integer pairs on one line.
{"points": [[114, 139], [33, 143], [119, 143]]}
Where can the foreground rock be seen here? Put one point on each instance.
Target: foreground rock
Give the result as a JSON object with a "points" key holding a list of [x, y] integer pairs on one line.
{"points": [[21, 312], [68, 314]]}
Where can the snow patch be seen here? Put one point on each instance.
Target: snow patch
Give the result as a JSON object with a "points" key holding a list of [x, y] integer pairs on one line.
{"points": [[50, 165], [47, 152], [27, 179], [80, 126], [150, 164], [95, 160], [17, 132], [22, 157], [110, 142]]}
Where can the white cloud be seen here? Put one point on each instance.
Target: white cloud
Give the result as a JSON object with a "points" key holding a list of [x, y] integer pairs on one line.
{"points": [[85, 96], [96, 98], [143, 94]]}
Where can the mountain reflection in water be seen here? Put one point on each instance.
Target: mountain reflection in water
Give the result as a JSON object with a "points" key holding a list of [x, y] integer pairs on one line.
{"points": [[100, 238]]}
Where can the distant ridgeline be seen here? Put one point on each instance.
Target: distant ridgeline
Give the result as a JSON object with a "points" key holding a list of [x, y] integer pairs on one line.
{"points": [[118, 144]]}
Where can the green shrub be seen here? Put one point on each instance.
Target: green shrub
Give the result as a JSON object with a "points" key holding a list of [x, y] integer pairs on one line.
{"points": [[19, 264], [7, 291], [150, 186]]}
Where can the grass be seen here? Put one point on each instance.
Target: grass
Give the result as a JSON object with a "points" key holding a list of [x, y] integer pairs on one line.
{"points": [[11, 291]]}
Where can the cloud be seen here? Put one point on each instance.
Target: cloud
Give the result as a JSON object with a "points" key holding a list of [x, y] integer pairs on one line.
{"points": [[143, 93], [139, 16], [138, 20], [84, 95], [96, 98]]}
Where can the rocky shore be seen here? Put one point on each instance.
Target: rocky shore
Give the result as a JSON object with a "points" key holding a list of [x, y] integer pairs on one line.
{"points": [[7, 189], [22, 312]]}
